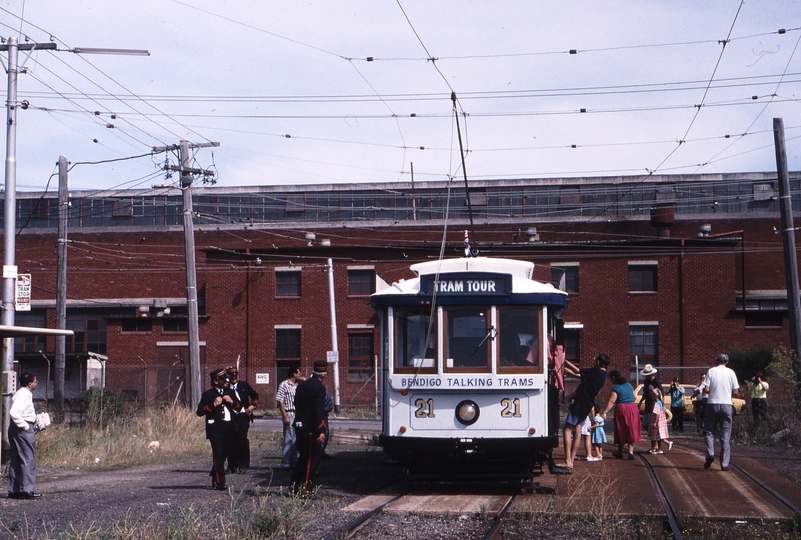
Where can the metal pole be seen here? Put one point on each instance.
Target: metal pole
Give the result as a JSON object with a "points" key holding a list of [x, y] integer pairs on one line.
{"points": [[10, 229], [788, 239], [61, 284], [334, 345], [191, 278]]}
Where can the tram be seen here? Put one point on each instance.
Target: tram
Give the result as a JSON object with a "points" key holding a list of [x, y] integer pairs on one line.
{"points": [[464, 359]]}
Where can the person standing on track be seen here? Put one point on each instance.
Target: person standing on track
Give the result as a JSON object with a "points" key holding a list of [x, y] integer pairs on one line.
{"points": [[285, 399], [721, 382], [217, 405], [310, 422], [677, 405], [592, 380]]}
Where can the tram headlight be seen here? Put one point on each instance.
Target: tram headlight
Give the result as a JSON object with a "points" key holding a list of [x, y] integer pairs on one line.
{"points": [[467, 412]]}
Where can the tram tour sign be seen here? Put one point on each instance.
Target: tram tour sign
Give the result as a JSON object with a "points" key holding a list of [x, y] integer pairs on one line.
{"points": [[466, 284]]}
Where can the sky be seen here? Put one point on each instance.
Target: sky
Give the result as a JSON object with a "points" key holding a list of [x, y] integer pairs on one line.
{"points": [[351, 91]]}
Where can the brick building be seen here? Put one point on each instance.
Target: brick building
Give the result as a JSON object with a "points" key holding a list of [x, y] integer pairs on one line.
{"points": [[667, 270]]}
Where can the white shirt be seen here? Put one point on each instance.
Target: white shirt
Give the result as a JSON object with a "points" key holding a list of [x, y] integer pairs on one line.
{"points": [[721, 381], [22, 411]]}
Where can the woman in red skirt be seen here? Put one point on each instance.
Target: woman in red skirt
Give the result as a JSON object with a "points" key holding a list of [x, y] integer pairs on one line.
{"points": [[627, 414]]}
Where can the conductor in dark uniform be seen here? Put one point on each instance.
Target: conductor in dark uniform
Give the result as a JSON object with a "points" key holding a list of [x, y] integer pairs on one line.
{"points": [[239, 458], [217, 405], [310, 422]]}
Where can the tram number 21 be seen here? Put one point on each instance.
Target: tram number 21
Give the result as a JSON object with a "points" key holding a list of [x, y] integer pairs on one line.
{"points": [[511, 408], [425, 408]]}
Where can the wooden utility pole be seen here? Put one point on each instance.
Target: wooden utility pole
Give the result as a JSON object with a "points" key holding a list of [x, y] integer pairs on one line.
{"points": [[195, 386], [788, 240], [61, 283]]}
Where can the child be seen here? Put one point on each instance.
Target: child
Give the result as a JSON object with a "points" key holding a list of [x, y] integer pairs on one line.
{"points": [[585, 434], [598, 438], [658, 430]]}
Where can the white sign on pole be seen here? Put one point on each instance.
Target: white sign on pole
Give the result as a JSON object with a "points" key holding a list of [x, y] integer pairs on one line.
{"points": [[262, 378], [22, 293], [333, 357]]}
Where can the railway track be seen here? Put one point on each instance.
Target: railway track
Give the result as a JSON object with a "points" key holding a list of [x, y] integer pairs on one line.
{"points": [[494, 531], [669, 496]]}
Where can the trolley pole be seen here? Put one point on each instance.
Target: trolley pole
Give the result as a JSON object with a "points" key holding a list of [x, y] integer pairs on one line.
{"points": [[788, 239], [195, 388]]}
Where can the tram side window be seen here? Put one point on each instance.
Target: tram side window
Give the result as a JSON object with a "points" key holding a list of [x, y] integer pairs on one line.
{"points": [[415, 343], [518, 341], [468, 339]]}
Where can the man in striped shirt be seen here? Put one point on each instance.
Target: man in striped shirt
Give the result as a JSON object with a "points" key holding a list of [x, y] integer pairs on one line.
{"points": [[285, 399]]}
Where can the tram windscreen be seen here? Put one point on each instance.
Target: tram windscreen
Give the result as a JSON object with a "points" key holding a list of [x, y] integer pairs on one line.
{"points": [[411, 334], [518, 338], [469, 338]]}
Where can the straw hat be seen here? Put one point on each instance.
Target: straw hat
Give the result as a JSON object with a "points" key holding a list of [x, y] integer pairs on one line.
{"points": [[648, 370]]}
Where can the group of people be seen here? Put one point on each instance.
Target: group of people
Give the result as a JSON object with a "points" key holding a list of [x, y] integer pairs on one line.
{"points": [[228, 410], [716, 390]]}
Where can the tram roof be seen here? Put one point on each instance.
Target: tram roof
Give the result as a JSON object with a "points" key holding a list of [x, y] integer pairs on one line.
{"points": [[521, 272]]}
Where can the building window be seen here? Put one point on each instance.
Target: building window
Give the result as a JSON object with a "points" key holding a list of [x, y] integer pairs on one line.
{"points": [[479, 197], [570, 196], [89, 332], [761, 319], [287, 283], [139, 324], [643, 277], [287, 343], [361, 282], [177, 324], [565, 277], [573, 346], [122, 208], [643, 346], [295, 203], [764, 192], [360, 356], [33, 319]]}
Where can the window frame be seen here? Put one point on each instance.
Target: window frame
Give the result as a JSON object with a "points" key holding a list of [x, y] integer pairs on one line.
{"points": [[638, 269], [362, 373], [357, 287], [288, 290]]}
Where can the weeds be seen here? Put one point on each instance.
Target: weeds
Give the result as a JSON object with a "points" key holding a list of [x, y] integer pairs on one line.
{"points": [[125, 442]]}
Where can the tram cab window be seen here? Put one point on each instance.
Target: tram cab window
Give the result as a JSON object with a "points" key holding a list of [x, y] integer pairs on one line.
{"points": [[518, 340], [415, 341], [467, 344]]}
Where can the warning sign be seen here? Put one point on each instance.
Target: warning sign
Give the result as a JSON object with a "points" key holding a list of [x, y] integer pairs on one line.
{"points": [[22, 294]]}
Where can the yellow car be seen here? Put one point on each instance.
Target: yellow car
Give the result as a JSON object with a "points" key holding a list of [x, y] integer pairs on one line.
{"points": [[689, 409]]}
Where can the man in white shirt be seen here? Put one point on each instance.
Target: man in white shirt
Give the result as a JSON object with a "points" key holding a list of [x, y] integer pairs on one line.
{"points": [[285, 400], [22, 439], [720, 383]]}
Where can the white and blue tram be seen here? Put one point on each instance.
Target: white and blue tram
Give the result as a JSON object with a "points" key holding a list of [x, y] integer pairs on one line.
{"points": [[465, 364]]}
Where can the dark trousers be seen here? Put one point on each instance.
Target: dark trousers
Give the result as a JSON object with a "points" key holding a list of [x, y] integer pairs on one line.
{"points": [[220, 450], [239, 457], [759, 407], [311, 452], [678, 419]]}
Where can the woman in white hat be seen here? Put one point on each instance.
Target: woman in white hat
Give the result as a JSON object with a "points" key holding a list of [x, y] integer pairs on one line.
{"points": [[650, 384]]}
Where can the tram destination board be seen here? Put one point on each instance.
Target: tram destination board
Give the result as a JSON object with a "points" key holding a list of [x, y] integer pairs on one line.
{"points": [[463, 284]]}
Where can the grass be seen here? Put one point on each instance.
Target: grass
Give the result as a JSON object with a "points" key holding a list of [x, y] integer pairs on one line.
{"points": [[160, 436], [244, 517]]}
